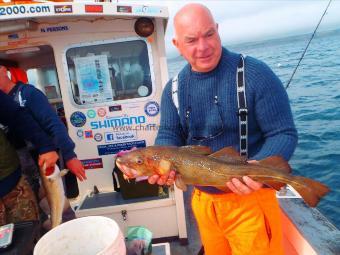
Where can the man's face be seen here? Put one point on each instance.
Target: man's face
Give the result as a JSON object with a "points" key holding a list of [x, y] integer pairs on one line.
{"points": [[199, 43]]}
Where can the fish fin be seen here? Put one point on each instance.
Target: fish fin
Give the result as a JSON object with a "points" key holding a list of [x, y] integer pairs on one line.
{"points": [[141, 178], [197, 149], [276, 162], [180, 183], [229, 155], [164, 167], [275, 185], [223, 188], [311, 191]]}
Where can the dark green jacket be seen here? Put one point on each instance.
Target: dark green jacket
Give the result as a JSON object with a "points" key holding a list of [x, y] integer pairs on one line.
{"points": [[9, 161]]}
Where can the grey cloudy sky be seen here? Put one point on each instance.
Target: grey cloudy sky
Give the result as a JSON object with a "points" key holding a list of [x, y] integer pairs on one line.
{"points": [[245, 21]]}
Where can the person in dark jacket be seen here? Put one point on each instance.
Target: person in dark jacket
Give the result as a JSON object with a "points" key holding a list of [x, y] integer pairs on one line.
{"points": [[20, 121], [37, 103], [17, 200]]}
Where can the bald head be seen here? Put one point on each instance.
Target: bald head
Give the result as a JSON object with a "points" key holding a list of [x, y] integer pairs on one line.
{"points": [[196, 37], [189, 13]]}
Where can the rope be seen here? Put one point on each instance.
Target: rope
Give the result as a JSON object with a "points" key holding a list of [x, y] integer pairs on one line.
{"points": [[304, 52]]}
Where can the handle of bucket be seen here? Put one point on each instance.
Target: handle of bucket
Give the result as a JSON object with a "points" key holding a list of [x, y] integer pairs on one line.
{"points": [[115, 178]]}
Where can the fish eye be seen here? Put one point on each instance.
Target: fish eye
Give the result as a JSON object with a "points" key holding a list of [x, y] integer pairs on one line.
{"points": [[139, 161]]}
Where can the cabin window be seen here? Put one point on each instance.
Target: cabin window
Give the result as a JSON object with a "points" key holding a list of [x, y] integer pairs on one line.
{"points": [[45, 79], [109, 72], [37, 66]]}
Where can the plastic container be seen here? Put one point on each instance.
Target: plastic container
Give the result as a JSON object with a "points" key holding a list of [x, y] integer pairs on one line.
{"points": [[93, 235]]}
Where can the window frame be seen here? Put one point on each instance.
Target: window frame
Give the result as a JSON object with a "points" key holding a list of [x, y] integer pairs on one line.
{"points": [[108, 41]]}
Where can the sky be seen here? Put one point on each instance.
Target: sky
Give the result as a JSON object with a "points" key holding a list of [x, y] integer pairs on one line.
{"points": [[243, 21]]}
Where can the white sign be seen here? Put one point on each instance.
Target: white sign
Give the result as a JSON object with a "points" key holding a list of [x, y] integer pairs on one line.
{"points": [[93, 79]]}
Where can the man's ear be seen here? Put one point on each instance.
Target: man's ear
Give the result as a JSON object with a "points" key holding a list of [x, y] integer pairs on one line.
{"points": [[175, 42], [217, 26]]}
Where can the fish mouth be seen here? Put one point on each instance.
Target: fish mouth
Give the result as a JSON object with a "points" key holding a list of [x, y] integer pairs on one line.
{"points": [[128, 173], [141, 178]]}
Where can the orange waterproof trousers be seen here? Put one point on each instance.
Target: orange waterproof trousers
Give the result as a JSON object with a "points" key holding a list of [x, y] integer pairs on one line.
{"points": [[239, 224]]}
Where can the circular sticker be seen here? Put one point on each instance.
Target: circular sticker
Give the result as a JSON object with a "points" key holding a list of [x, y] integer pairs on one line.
{"points": [[78, 119], [80, 133], [98, 137], [145, 9], [143, 91], [151, 108], [91, 113], [101, 112]]}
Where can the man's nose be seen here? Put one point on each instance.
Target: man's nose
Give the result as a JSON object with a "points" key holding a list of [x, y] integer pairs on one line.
{"points": [[202, 44]]}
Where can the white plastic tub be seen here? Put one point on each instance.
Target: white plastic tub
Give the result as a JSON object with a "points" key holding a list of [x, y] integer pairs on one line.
{"points": [[93, 235]]}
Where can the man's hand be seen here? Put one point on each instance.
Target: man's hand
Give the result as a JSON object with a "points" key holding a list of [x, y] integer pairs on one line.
{"points": [[167, 179], [49, 159], [249, 185], [77, 168]]}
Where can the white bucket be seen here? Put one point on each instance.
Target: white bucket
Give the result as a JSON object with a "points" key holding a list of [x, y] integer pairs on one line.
{"points": [[93, 235]]}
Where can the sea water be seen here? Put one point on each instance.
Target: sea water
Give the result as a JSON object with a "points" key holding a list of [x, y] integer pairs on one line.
{"points": [[315, 100]]}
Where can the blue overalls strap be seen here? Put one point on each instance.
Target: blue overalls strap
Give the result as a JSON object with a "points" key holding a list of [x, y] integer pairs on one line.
{"points": [[174, 92], [242, 111]]}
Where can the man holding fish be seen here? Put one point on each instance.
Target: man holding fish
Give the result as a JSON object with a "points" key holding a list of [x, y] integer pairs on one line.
{"points": [[242, 217], [31, 98], [37, 104], [17, 201]]}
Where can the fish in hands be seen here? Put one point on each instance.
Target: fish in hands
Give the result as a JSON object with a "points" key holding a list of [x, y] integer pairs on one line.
{"points": [[224, 169]]}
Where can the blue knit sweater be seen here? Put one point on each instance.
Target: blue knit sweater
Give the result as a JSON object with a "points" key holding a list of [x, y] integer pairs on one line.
{"points": [[211, 101]]}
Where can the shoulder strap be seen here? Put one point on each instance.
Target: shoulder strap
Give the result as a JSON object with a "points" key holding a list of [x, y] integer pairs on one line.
{"points": [[242, 107], [174, 90], [241, 103]]}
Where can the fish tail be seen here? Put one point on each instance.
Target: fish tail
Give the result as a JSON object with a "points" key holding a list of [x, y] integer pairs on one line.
{"points": [[311, 191]]}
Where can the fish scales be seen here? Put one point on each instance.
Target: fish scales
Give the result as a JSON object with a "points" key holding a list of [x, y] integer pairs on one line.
{"points": [[196, 165]]}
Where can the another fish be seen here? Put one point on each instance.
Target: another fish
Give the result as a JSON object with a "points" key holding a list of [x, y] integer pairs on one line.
{"points": [[195, 165], [55, 193]]}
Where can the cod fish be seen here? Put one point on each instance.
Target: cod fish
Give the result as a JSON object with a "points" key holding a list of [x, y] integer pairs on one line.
{"points": [[55, 193], [196, 165]]}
